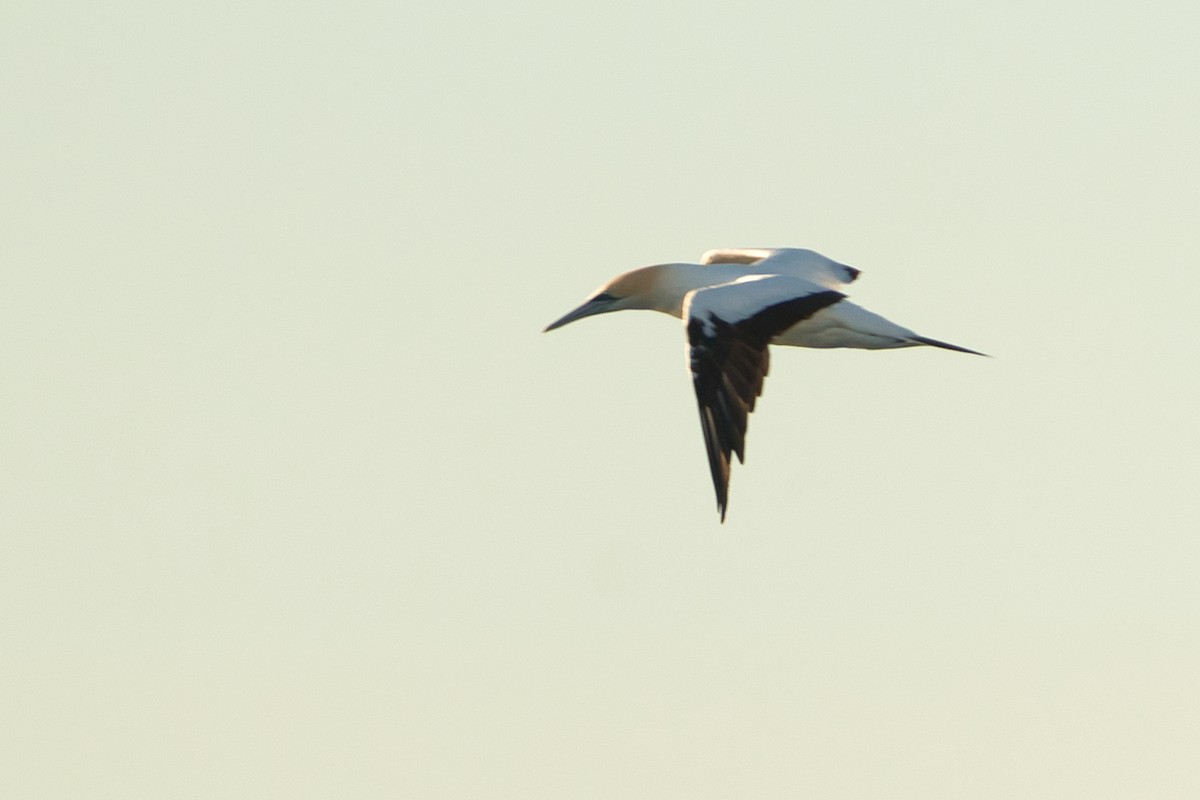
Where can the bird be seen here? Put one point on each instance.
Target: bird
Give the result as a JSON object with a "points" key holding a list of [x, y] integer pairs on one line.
{"points": [[736, 303]]}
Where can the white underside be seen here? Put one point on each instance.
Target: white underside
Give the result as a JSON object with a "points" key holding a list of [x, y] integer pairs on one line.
{"points": [[847, 325]]}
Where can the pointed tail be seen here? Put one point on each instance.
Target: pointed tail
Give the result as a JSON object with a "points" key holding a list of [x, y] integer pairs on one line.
{"points": [[947, 346]]}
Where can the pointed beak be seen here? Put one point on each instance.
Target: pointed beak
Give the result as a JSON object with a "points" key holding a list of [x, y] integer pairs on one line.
{"points": [[596, 305]]}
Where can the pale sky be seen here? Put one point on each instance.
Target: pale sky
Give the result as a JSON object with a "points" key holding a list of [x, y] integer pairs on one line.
{"points": [[299, 502]]}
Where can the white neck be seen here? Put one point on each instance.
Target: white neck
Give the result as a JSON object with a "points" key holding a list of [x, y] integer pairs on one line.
{"points": [[672, 282]]}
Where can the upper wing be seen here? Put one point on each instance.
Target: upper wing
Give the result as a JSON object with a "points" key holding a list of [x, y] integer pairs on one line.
{"points": [[729, 328], [737, 255], [794, 261]]}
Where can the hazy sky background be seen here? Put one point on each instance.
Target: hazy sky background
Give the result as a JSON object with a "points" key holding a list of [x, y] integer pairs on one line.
{"points": [[299, 503]]}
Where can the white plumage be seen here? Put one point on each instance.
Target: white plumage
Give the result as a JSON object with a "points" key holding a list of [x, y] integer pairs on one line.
{"points": [[734, 305]]}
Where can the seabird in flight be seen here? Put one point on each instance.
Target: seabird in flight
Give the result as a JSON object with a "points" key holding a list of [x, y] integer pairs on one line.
{"points": [[733, 305]]}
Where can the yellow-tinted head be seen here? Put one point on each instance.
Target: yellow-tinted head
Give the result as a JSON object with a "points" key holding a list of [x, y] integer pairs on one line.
{"points": [[634, 289]]}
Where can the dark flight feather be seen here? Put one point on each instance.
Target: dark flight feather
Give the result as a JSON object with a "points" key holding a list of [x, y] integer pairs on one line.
{"points": [[729, 362]]}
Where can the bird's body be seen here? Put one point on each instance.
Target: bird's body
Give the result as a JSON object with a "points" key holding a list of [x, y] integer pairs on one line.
{"points": [[733, 305]]}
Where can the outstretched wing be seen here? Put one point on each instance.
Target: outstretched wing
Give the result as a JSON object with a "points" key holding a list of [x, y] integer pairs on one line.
{"points": [[795, 262], [737, 255], [729, 328]]}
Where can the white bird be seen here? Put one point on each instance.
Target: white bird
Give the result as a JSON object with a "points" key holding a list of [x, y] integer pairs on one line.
{"points": [[733, 305]]}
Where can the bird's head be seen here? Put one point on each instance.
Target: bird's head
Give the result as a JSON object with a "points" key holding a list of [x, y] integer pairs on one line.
{"points": [[637, 289]]}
